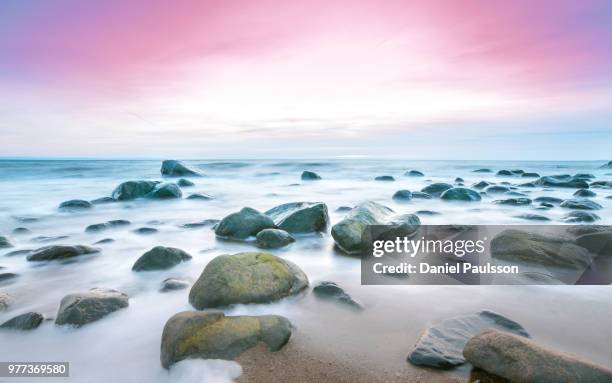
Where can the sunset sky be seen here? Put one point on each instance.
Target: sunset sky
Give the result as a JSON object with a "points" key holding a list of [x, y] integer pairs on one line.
{"points": [[262, 78]]}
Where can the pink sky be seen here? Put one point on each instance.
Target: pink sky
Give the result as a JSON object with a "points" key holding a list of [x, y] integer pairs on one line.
{"points": [[159, 71]]}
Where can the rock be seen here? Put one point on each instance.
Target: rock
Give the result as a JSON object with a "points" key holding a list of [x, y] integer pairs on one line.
{"points": [[165, 191], [145, 230], [532, 217], [580, 217], [106, 225], [246, 278], [300, 217], [174, 168], [421, 195], [183, 182], [516, 194], [530, 175], [204, 223], [384, 178], [585, 176], [551, 200], [347, 233], [538, 249], [310, 176], [460, 194], [4, 243], [481, 185], [517, 171], [133, 189], [482, 171], [414, 173], [102, 200], [504, 173], [584, 193], [545, 205], [27, 321], [7, 276], [342, 209], [441, 345], [598, 243], [436, 189], [160, 258], [44, 239], [83, 308], [104, 241], [580, 204], [522, 360], [528, 185], [173, 284], [331, 291], [459, 180], [203, 196], [212, 335], [5, 301], [606, 166], [60, 252], [243, 224], [513, 201], [563, 181], [18, 252], [426, 212], [21, 230], [75, 204], [273, 239], [402, 195], [497, 189]]}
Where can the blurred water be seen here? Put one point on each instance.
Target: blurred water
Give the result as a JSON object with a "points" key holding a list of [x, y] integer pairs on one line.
{"points": [[126, 343]]}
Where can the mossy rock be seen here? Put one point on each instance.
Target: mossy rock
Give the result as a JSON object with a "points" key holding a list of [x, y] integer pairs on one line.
{"points": [[347, 233], [273, 239], [165, 191], [246, 278], [60, 252], [160, 258], [212, 335], [80, 309], [300, 217], [27, 321]]}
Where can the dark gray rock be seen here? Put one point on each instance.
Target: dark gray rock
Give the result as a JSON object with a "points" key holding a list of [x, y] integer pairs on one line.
{"points": [[173, 284], [310, 176], [202, 196], [496, 189], [165, 191], [521, 360], [204, 223], [551, 200], [436, 189], [300, 217], [504, 173], [584, 193], [273, 239], [104, 241], [174, 168], [160, 258], [426, 212], [60, 252], [243, 224], [580, 217], [212, 335], [481, 185], [533, 217], [7, 276], [441, 345], [414, 173], [24, 322], [513, 201], [402, 195], [145, 230], [183, 182], [4, 243], [107, 225], [460, 194], [331, 291], [421, 195], [75, 204], [21, 230], [342, 209], [133, 189], [581, 204], [606, 166], [601, 184], [528, 185], [459, 180], [530, 175], [563, 181], [102, 200], [482, 171], [18, 252], [384, 178], [83, 308]]}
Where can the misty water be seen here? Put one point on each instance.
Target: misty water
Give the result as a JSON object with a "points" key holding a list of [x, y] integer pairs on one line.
{"points": [[125, 345]]}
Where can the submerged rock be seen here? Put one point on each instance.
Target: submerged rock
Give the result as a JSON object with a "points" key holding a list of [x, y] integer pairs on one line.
{"points": [[310, 176], [426, 212], [420, 195], [133, 189], [402, 195], [174, 168], [83, 308], [4, 243], [243, 224], [246, 278], [145, 230], [513, 201], [384, 178], [273, 239], [460, 194], [202, 196], [441, 345], [414, 173], [551, 200], [606, 166], [533, 217], [21, 230], [212, 335], [505, 173], [601, 184], [165, 191], [27, 321], [300, 217], [522, 360], [331, 291], [173, 284], [75, 204], [204, 223], [107, 225], [497, 189], [60, 252], [18, 252], [481, 185], [482, 171], [436, 189], [563, 181], [160, 258], [532, 175], [342, 209], [183, 182], [584, 193], [580, 204], [580, 217], [104, 241], [7, 276], [102, 200]]}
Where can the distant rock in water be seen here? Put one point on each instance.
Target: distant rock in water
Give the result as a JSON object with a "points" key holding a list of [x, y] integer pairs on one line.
{"points": [[44, 239], [273, 239], [7, 276], [160, 258], [310, 176], [133, 189], [331, 291], [21, 230], [414, 173], [518, 359], [75, 204], [402, 195], [459, 180], [606, 166], [601, 184], [212, 335], [528, 185], [173, 284], [60, 252], [460, 194], [384, 178], [341, 209], [505, 173], [300, 217], [436, 189], [183, 182], [83, 308], [426, 212], [24, 322], [145, 230], [107, 225], [530, 175], [243, 224], [104, 241], [513, 201], [204, 223], [551, 200], [580, 217], [4, 243], [441, 345], [18, 252], [496, 189], [202, 196], [421, 195], [581, 204], [246, 278], [165, 191], [585, 193], [481, 185], [484, 170], [533, 217], [102, 200], [563, 181], [174, 168]]}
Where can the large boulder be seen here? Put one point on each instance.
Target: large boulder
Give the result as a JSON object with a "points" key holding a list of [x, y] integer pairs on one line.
{"points": [[243, 224], [580, 204], [75, 204], [310, 176], [460, 194], [347, 233], [521, 360], [133, 189], [174, 168], [27, 321], [273, 239], [60, 252], [212, 335], [160, 258], [246, 278], [300, 217], [83, 308], [563, 181], [165, 191], [4, 243], [441, 345], [436, 189]]}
